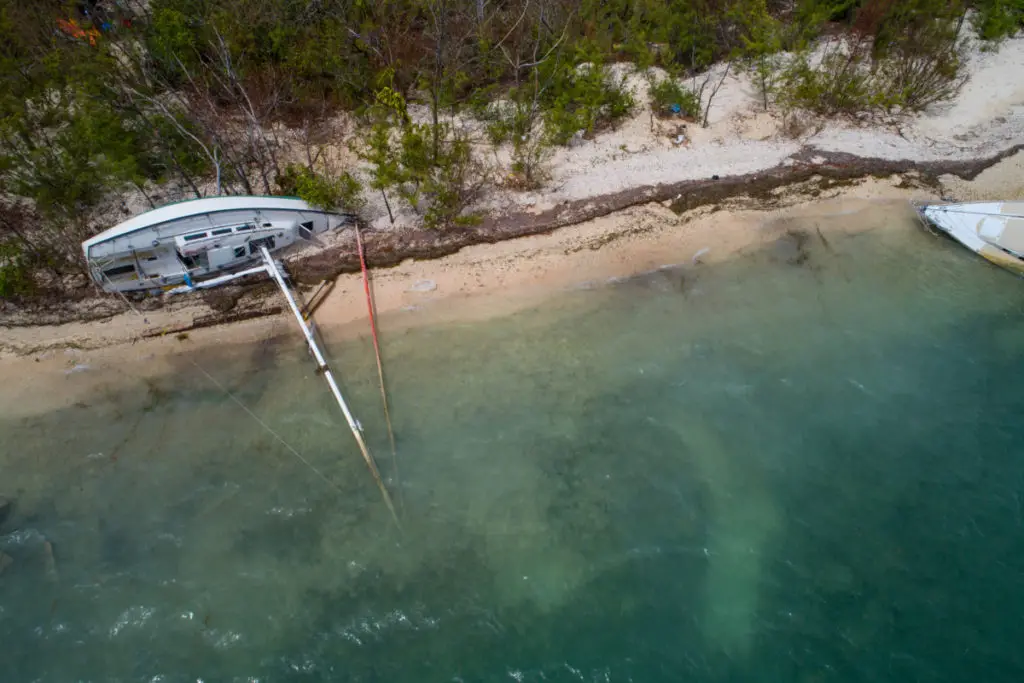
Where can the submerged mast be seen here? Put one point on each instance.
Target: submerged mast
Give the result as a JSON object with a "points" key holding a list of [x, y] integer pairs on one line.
{"points": [[323, 369]]}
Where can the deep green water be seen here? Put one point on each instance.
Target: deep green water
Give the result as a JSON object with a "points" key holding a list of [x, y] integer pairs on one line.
{"points": [[802, 465]]}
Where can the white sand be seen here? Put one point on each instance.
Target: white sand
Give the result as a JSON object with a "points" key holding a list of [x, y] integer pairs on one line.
{"points": [[986, 117]]}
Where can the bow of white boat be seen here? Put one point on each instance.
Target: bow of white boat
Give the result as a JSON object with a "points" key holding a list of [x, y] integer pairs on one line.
{"points": [[993, 229]]}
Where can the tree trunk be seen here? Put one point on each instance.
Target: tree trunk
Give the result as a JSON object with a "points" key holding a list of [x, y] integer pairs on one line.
{"points": [[387, 204], [144, 194]]}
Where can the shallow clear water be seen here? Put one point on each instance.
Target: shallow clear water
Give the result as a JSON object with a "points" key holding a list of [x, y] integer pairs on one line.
{"points": [[801, 465]]}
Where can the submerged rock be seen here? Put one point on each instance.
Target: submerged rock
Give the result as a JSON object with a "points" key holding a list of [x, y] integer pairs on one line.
{"points": [[5, 562], [5, 508]]}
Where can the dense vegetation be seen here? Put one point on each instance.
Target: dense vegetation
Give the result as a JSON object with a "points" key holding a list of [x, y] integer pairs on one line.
{"points": [[99, 97]]}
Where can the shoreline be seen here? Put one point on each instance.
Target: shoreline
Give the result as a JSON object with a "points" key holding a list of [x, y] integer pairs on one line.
{"points": [[46, 368], [472, 262], [650, 229], [803, 176], [497, 255]]}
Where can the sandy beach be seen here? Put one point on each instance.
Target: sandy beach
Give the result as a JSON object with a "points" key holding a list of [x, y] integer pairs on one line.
{"points": [[46, 367], [40, 364]]}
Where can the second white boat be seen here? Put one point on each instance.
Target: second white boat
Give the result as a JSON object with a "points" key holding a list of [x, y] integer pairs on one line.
{"points": [[993, 229]]}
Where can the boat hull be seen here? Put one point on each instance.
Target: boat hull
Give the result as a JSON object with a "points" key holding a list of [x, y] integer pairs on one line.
{"points": [[190, 242], [993, 230]]}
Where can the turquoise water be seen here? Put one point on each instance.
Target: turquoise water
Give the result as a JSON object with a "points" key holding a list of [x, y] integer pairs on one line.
{"points": [[800, 465]]}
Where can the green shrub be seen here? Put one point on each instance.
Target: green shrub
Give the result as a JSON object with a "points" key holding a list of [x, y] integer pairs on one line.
{"points": [[510, 118], [318, 189], [995, 20], [583, 98], [837, 86], [851, 81], [442, 185], [668, 92], [431, 169], [15, 273]]}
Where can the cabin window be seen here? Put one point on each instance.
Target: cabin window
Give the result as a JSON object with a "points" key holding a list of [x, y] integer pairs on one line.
{"points": [[195, 236], [119, 270], [239, 252], [306, 230], [243, 228], [268, 225], [221, 231]]}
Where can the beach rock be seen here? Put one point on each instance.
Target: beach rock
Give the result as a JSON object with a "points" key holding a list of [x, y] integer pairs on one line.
{"points": [[5, 508], [5, 562]]}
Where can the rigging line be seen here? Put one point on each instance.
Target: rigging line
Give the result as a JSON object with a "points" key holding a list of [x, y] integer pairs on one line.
{"points": [[323, 369], [380, 366], [975, 213], [266, 427]]}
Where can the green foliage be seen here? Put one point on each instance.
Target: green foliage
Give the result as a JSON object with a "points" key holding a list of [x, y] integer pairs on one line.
{"points": [[442, 185], [439, 181], [854, 83], [385, 169], [172, 42], [516, 120], [903, 56], [15, 274], [811, 14], [763, 38], [996, 20], [511, 118], [668, 92], [451, 184], [583, 98], [320, 190], [837, 86]]}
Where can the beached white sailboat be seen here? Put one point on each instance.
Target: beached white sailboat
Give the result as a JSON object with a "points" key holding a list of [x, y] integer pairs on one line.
{"points": [[220, 239], [200, 242], [993, 229]]}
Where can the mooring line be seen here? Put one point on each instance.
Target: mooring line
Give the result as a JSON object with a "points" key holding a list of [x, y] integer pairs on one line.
{"points": [[380, 366], [266, 427]]}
